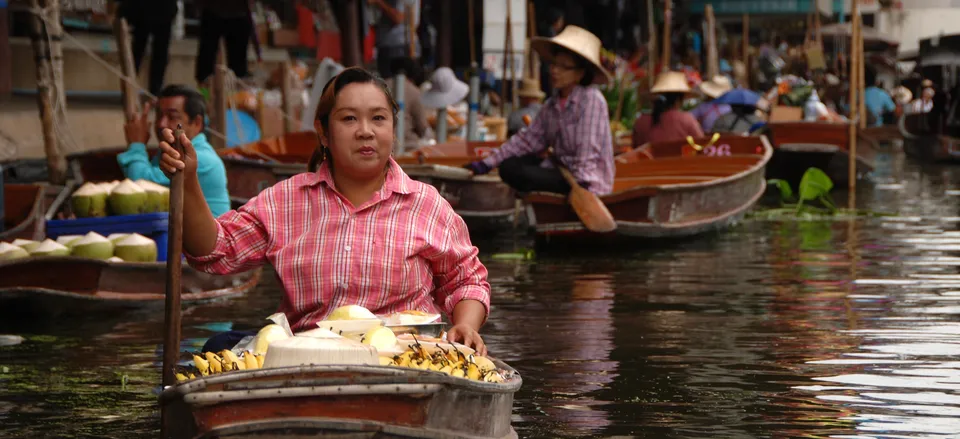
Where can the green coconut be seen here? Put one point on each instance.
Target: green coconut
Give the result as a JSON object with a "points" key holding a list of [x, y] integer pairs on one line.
{"points": [[9, 252], [157, 194], [136, 248], [26, 244], [93, 246], [127, 199], [114, 259], [114, 237], [68, 240], [109, 185], [50, 248], [90, 201]]}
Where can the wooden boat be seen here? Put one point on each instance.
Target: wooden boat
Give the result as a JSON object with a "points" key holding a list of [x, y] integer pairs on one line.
{"points": [[334, 401], [480, 197], [23, 210], [824, 145], [928, 139], [661, 193], [28, 291], [253, 167]]}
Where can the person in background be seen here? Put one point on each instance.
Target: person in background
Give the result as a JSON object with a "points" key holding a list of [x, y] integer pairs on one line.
{"points": [[575, 122], [667, 122], [878, 102], [414, 114], [153, 18], [531, 100], [708, 111], [176, 104], [739, 120], [394, 35], [447, 93], [553, 23], [230, 20], [924, 103]]}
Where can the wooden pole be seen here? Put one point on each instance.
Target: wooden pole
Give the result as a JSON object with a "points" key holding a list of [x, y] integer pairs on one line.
{"points": [[46, 96], [533, 60], [445, 39], [818, 36], [350, 34], [55, 30], [219, 94], [854, 107], [651, 45], [286, 99], [667, 23], [514, 101], [6, 54], [506, 56], [411, 33], [746, 49], [171, 314], [713, 59], [861, 74], [121, 31], [471, 36]]}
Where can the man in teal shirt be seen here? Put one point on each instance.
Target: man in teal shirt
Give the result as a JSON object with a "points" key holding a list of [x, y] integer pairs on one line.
{"points": [[176, 104], [877, 100]]}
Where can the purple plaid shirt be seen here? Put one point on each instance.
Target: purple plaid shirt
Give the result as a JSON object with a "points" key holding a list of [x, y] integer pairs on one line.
{"points": [[585, 146]]}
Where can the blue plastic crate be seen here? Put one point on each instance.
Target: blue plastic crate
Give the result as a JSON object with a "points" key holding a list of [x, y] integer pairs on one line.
{"points": [[151, 225]]}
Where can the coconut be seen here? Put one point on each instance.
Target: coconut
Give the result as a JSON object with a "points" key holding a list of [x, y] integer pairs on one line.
{"points": [[114, 237], [154, 195], [26, 244], [93, 246], [109, 185], [136, 248], [114, 259], [50, 248], [90, 201], [10, 252], [164, 204], [68, 240], [128, 199], [351, 312]]}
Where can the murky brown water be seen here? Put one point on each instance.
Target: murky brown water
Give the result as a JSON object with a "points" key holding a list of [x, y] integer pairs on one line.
{"points": [[775, 329]]}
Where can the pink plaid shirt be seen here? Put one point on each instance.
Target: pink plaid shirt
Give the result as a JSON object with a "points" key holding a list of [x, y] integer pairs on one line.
{"points": [[403, 249]]}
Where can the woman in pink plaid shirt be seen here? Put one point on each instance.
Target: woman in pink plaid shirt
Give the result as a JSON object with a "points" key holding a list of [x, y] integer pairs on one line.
{"points": [[354, 230]]}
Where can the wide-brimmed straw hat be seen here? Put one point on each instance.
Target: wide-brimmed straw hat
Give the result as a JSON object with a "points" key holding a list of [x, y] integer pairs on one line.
{"points": [[577, 40], [716, 86], [530, 88], [671, 82], [445, 89]]}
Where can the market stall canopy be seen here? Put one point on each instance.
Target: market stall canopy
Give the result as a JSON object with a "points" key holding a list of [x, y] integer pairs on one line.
{"points": [[870, 35]]}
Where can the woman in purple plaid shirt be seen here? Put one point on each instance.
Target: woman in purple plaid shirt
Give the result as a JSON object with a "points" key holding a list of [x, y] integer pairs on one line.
{"points": [[575, 121]]}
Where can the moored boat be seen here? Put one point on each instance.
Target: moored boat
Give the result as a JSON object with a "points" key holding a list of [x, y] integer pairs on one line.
{"points": [[23, 211], [253, 167], [660, 192], [799, 146], [924, 138], [341, 401]]}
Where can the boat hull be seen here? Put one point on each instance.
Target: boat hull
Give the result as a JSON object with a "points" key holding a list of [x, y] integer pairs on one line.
{"points": [[340, 401], [24, 206], [802, 145]]}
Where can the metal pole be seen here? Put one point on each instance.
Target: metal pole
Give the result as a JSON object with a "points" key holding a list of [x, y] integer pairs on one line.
{"points": [[441, 125], [399, 81], [474, 107]]}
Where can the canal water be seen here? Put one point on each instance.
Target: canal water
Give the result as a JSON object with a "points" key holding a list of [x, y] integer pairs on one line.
{"points": [[843, 329]]}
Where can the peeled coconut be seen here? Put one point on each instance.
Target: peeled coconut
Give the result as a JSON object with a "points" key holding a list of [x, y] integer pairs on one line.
{"points": [[267, 335], [109, 185], [68, 240], [90, 201], [114, 237], [380, 337], [114, 259], [158, 196], [127, 199], [26, 244], [351, 312], [50, 248], [9, 252], [136, 248], [93, 246]]}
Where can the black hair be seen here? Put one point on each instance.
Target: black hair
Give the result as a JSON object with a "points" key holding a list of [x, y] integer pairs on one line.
{"points": [[328, 97], [588, 71], [193, 103], [662, 103], [409, 67]]}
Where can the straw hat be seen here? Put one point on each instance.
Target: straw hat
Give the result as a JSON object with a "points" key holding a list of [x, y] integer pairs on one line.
{"points": [[671, 82], [576, 40], [926, 83], [716, 86], [445, 89], [530, 88]]}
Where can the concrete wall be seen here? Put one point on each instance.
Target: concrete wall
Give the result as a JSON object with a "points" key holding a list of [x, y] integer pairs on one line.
{"points": [[920, 19]]}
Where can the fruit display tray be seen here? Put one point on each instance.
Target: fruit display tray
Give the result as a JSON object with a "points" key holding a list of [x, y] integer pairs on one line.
{"points": [[151, 225]]}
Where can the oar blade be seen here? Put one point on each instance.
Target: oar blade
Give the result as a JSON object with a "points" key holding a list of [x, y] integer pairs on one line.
{"points": [[591, 211]]}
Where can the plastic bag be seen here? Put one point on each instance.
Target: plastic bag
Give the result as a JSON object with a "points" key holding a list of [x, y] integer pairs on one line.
{"points": [[247, 343]]}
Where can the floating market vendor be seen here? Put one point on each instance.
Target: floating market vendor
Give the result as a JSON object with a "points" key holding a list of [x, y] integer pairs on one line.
{"points": [[575, 121], [708, 111], [354, 230], [176, 104], [531, 100], [667, 121]]}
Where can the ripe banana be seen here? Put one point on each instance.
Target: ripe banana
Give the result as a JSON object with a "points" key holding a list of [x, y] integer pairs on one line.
{"points": [[181, 377], [203, 366], [260, 358], [249, 361], [386, 361], [216, 363], [457, 372], [473, 372]]}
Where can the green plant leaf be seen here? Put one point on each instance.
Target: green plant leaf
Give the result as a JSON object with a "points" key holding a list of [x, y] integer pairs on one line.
{"points": [[786, 192], [814, 184]]}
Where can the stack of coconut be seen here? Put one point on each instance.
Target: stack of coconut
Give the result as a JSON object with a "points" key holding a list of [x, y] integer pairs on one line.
{"points": [[118, 247], [125, 197]]}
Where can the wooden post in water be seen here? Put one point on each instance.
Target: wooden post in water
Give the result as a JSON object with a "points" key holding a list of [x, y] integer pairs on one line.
{"points": [[47, 95], [171, 314], [854, 106], [746, 49], [713, 58], [445, 37], [286, 99], [861, 75], [506, 56], [121, 32], [651, 45], [667, 22], [6, 54], [533, 60], [219, 95]]}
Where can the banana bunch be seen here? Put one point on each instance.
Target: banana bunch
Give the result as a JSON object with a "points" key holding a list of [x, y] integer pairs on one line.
{"points": [[211, 363], [452, 362]]}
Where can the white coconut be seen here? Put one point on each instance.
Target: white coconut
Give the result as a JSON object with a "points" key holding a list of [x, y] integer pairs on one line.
{"points": [[136, 248], [164, 199], [90, 201], [114, 259], [114, 237], [109, 185], [26, 244], [10, 252], [154, 195], [68, 240], [127, 199], [93, 246], [50, 248], [351, 312]]}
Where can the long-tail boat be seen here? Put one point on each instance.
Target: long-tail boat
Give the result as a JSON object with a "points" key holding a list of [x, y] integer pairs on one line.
{"points": [[24, 209], [480, 197], [341, 401], [668, 190], [824, 145]]}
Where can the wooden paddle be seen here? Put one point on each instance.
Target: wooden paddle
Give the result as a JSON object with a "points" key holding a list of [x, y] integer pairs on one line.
{"points": [[171, 321], [587, 205]]}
